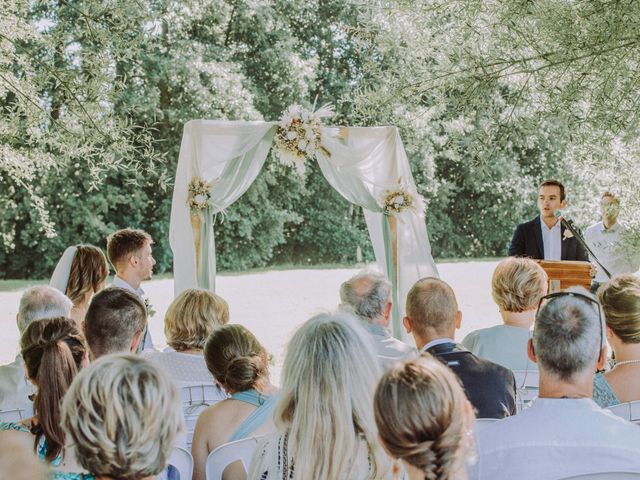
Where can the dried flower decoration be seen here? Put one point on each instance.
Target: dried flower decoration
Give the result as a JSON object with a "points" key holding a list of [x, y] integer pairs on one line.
{"points": [[199, 195], [398, 200], [299, 135]]}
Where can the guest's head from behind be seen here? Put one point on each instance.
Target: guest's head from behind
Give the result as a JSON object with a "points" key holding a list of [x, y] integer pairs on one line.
{"points": [[568, 341], [236, 359], [368, 296], [328, 379], [123, 414], [424, 418], [41, 302], [431, 311], [517, 286], [129, 252], [191, 318], [54, 352], [620, 300], [115, 322]]}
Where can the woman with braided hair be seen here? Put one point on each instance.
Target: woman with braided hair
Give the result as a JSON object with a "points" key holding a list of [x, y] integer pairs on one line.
{"points": [[54, 351], [424, 419]]}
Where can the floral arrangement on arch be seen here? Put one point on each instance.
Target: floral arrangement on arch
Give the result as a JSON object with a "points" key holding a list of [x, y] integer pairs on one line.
{"points": [[299, 135], [199, 195], [399, 199]]}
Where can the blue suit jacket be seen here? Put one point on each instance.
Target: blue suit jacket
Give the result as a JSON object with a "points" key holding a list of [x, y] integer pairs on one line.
{"points": [[527, 242]]}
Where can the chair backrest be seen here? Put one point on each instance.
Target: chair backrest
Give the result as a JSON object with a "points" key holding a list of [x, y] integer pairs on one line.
{"points": [[196, 398], [182, 461], [226, 454], [629, 411], [606, 476], [526, 387], [12, 416]]}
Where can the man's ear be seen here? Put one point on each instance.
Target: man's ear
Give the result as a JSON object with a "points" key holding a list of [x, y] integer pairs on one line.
{"points": [[531, 353], [407, 324], [387, 310], [458, 319], [135, 343], [602, 359], [563, 203]]}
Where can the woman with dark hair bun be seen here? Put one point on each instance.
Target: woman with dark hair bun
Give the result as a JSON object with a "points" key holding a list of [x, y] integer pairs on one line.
{"points": [[54, 351], [81, 272], [239, 363]]}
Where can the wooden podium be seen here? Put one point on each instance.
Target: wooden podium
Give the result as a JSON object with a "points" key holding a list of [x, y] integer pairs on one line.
{"points": [[564, 274]]}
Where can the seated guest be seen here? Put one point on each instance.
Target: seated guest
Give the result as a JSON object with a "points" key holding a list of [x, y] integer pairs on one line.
{"points": [[432, 316], [424, 419], [36, 303], [326, 428], [620, 300], [563, 433], [17, 461], [115, 322], [190, 319], [368, 296], [240, 366], [81, 272], [517, 286], [124, 414], [54, 352]]}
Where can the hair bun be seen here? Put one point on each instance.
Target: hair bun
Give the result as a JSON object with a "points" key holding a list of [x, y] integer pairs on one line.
{"points": [[243, 372]]}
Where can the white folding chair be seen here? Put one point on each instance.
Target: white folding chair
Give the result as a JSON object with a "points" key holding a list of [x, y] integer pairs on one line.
{"points": [[606, 476], [526, 387], [195, 398], [629, 411], [226, 454], [182, 461], [12, 416]]}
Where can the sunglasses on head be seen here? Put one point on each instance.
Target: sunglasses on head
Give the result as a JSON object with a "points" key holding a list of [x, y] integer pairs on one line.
{"points": [[548, 298]]}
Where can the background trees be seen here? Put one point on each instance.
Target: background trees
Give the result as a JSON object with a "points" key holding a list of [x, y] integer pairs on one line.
{"points": [[490, 97]]}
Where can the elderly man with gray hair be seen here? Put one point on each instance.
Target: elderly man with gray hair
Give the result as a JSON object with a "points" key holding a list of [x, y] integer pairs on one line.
{"points": [[564, 433], [36, 303], [368, 296]]}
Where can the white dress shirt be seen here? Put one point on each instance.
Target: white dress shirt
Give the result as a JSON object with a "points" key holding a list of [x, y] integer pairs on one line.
{"points": [[552, 241], [556, 438], [389, 350], [118, 282], [437, 341], [609, 246], [15, 388]]}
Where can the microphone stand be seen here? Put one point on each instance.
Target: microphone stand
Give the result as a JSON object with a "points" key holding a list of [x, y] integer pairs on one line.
{"points": [[569, 225]]}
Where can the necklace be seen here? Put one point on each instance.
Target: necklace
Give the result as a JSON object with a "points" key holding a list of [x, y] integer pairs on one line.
{"points": [[626, 362]]}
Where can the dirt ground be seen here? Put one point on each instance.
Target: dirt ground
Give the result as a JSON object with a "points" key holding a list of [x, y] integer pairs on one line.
{"points": [[273, 303]]}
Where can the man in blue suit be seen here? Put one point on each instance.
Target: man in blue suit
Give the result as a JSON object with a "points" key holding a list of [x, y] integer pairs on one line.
{"points": [[544, 238]]}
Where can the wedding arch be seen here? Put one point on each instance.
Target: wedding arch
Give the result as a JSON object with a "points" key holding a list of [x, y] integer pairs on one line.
{"points": [[368, 166]]}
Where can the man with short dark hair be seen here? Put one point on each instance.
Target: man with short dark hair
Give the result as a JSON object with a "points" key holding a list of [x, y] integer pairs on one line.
{"points": [[115, 322], [544, 237], [432, 317], [37, 303], [129, 251], [564, 433], [368, 296]]}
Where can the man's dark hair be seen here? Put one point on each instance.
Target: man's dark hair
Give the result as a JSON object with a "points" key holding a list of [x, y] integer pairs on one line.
{"points": [[114, 317], [554, 183], [124, 243]]}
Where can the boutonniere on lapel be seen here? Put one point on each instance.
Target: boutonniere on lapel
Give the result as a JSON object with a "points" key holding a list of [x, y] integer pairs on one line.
{"points": [[150, 311], [567, 234]]}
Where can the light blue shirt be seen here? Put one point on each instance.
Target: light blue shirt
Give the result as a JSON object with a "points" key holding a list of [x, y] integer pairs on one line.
{"points": [[552, 241], [505, 345]]}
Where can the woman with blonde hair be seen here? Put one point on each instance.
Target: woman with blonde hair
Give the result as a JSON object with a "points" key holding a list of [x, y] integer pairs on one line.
{"points": [[239, 364], [326, 429], [54, 351], [424, 419], [517, 286], [620, 300], [190, 319], [124, 414], [81, 272]]}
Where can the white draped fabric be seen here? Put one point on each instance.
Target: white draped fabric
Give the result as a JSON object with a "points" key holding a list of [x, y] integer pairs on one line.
{"points": [[229, 155], [362, 164]]}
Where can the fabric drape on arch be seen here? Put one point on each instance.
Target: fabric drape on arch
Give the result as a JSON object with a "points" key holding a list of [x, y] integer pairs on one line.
{"points": [[362, 164]]}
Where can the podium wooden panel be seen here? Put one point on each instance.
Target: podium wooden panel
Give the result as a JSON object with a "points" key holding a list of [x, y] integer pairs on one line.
{"points": [[568, 273]]}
